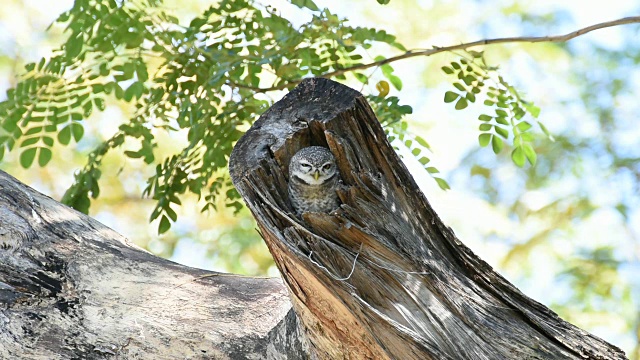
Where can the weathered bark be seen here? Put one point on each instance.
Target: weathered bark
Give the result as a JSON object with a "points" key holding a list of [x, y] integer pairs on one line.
{"points": [[383, 277], [71, 288]]}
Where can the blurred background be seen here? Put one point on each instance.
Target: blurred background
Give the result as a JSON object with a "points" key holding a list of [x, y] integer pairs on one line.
{"points": [[565, 231]]}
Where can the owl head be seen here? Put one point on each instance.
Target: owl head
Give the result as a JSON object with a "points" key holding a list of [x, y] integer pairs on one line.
{"points": [[313, 165]]}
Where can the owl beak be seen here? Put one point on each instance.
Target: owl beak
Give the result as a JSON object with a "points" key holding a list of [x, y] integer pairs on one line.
{"points": [[316, 174]]}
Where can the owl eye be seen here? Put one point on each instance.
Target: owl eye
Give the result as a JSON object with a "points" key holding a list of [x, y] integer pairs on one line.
{"points": [[305, 166], [326, 166]]}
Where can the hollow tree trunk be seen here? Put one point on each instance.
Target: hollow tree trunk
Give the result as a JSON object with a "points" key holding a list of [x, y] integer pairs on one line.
{"points": [[383, 277], [71, 288]]}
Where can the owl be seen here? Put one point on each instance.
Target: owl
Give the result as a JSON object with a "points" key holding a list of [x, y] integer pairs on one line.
{"points": [[313, 180]]}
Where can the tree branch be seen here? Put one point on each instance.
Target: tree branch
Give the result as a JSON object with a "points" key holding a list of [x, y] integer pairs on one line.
{"points": [[464, 46]]}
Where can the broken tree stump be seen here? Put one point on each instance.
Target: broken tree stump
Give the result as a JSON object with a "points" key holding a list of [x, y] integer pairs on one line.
{"points": [[383, 277]]}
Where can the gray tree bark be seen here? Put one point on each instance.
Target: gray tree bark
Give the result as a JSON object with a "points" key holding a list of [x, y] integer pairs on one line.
{"points": [[71, 288], [383, 277]]}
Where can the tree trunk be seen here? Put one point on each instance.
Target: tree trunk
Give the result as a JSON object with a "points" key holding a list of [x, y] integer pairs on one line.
{"points": [[383, 277], [71, 288]]}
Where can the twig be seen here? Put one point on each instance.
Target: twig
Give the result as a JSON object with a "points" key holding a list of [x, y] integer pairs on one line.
{"points": [[355, 259], [464, 46]]}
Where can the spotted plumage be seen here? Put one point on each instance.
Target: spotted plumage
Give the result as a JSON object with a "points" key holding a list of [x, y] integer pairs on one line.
{"points": [[313, 179]]}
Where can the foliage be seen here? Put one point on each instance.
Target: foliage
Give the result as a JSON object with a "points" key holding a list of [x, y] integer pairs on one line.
{"points": [[206, 78], [508, 105]]}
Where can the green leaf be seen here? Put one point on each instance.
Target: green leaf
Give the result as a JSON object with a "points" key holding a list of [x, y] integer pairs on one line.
{"points": [[484, 117], [530, 153], [99, 103], [128, 70], [164, 225], [74, 45], [485, 127], [432, 170], [496, 144], [461, 104], [141, 71], [29, 141], [518, 156], [450, 96], [386, 68], [459, 87], [47, 140], [519, 113], [523, 126], [81, 203], [501, 131], [502, 120], [527, 137], [484, 139], [471, 97], [136, 89], [27, 156], [442, 183], [34, 130], [532, 109], [77, 130], [133, 154], [501, 113], [424, 160], [395, 81], [361, 77], [103, 69], [405, 109], [197, 22], [44, 156], [422, 142], [447, 70], [172, 214], [383, 2], [469, 79]]}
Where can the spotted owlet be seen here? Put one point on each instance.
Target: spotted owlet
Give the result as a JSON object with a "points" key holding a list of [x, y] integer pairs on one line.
{"points": [[313, 179]]}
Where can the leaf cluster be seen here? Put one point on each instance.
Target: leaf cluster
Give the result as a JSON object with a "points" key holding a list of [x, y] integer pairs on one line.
{"points": [[205, 79], [201, 83], [505, 120]]}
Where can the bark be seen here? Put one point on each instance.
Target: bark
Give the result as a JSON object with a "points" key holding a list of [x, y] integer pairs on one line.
{"points": [[383, 277], [71, 288]]}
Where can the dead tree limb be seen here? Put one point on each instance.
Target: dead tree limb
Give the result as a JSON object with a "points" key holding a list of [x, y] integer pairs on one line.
{"points": [[383, 278], [71, 288]]}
